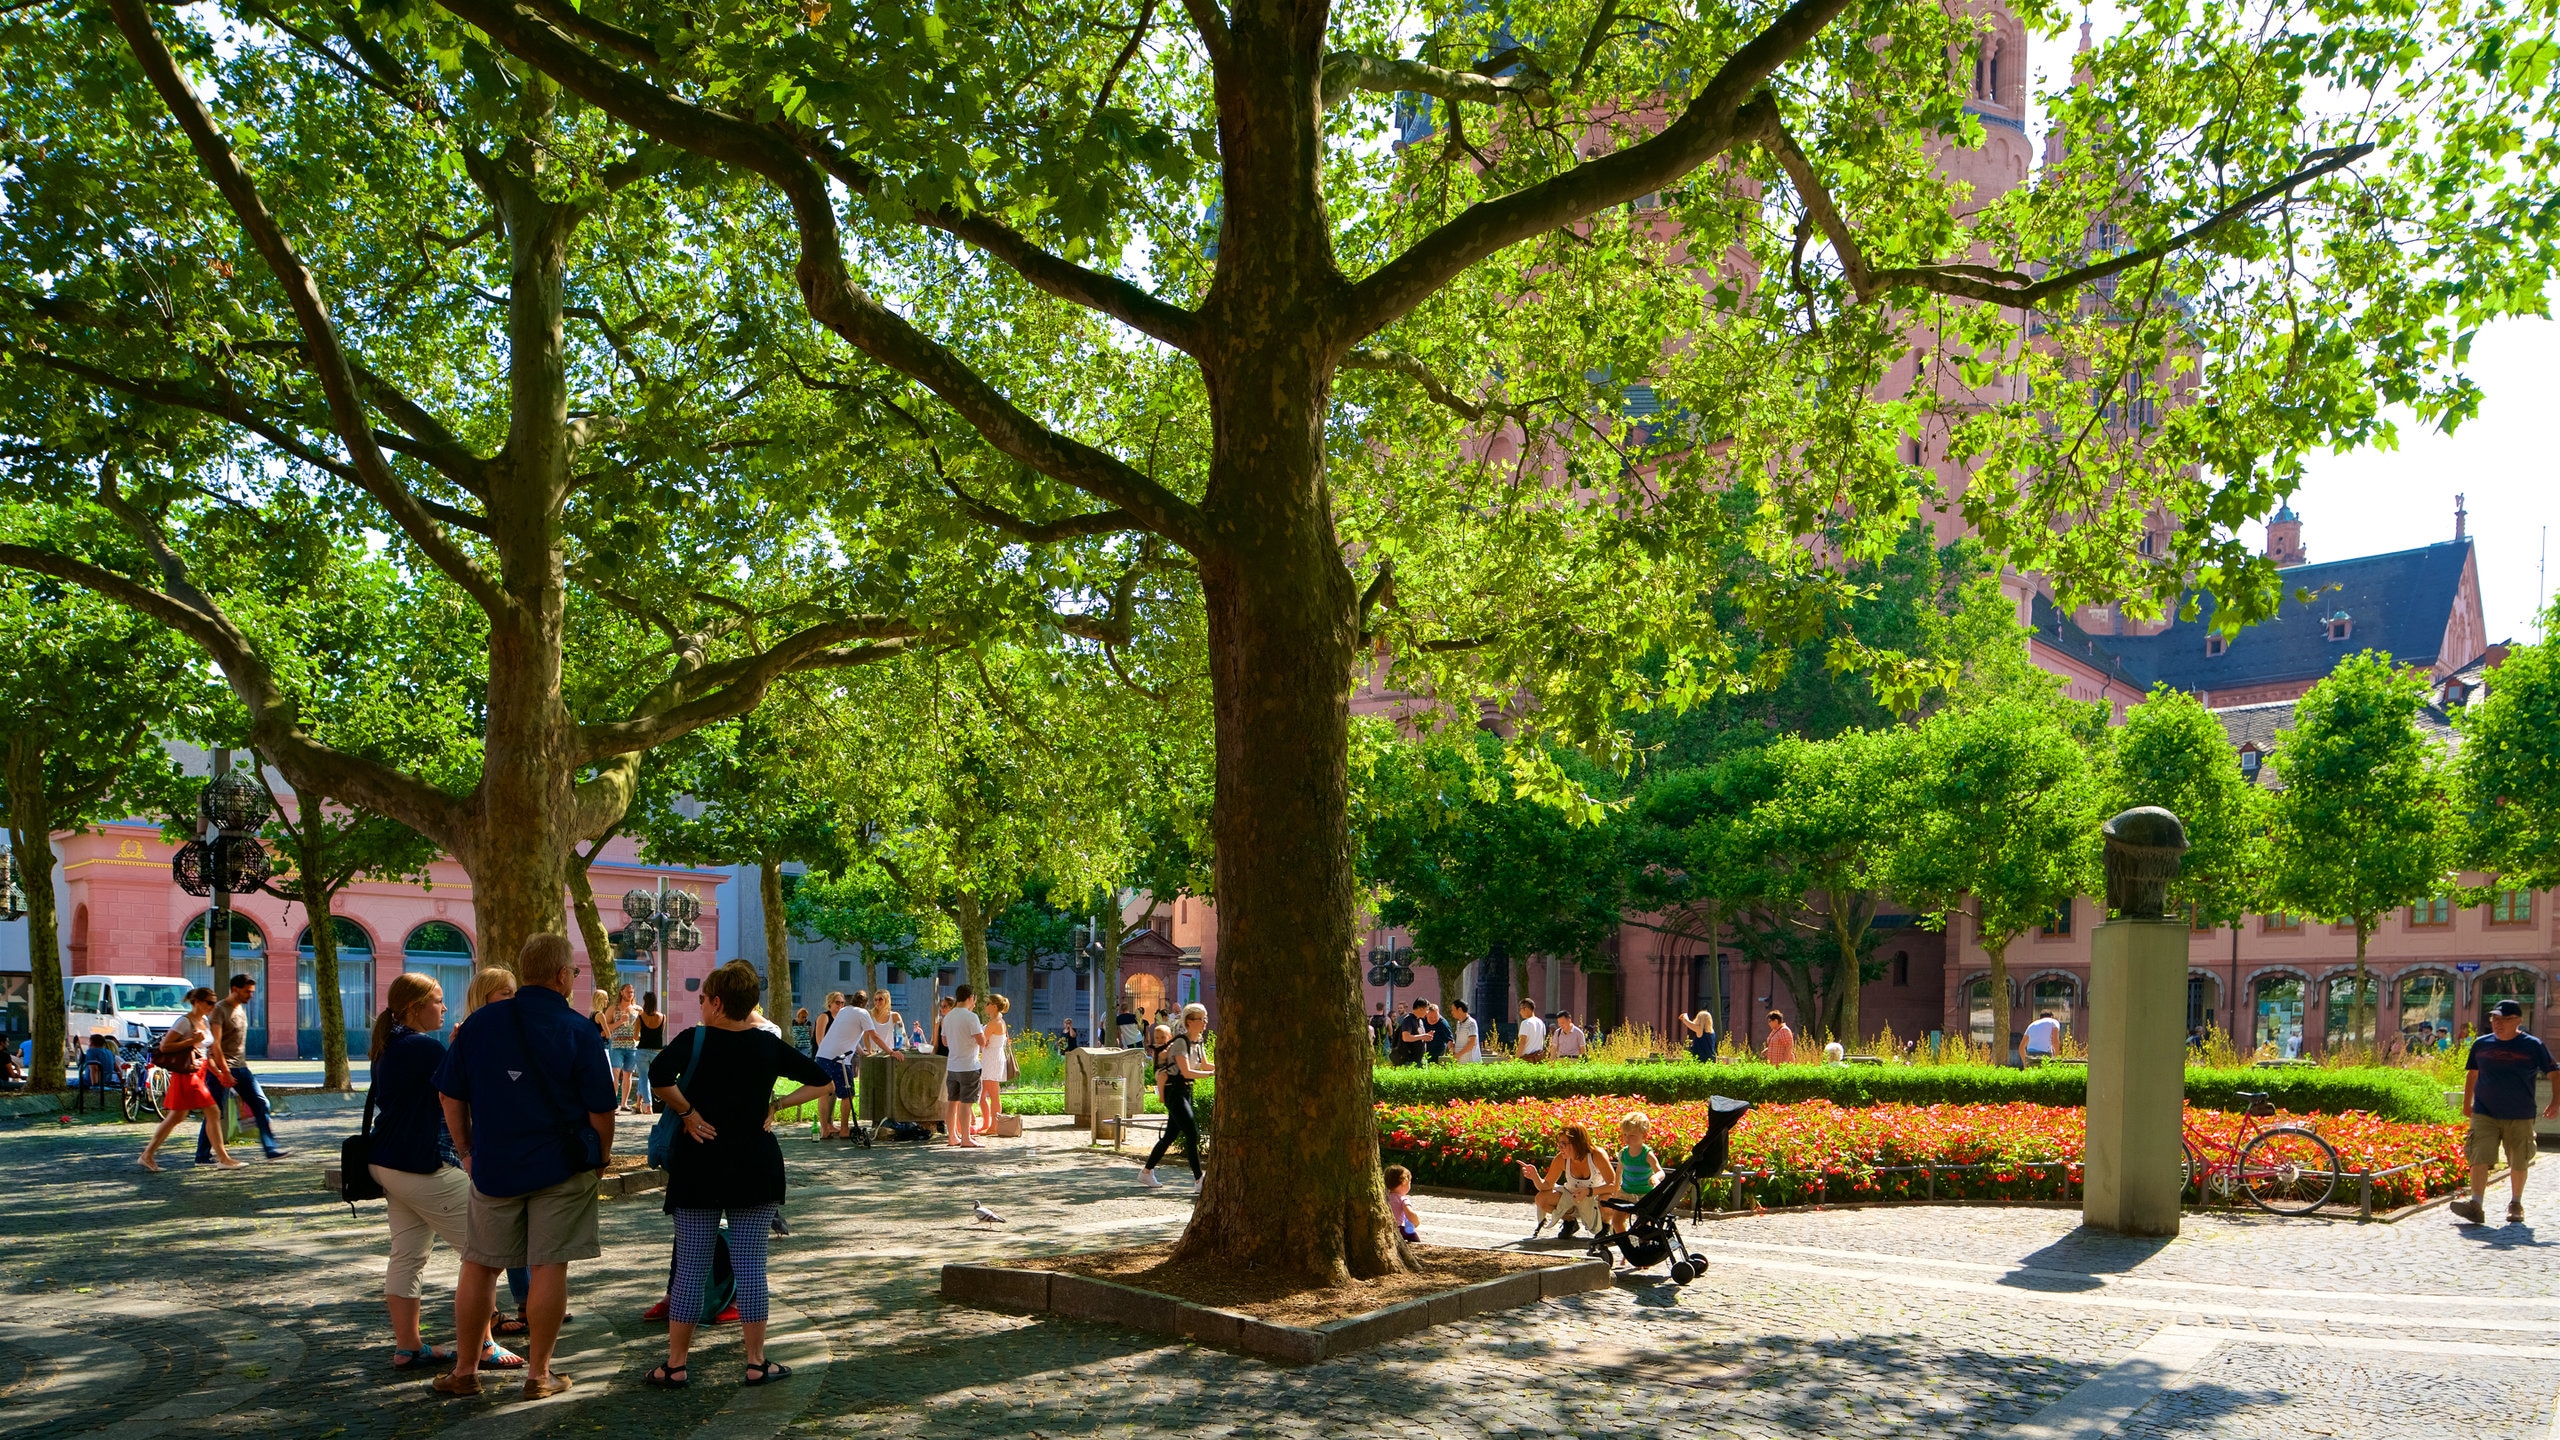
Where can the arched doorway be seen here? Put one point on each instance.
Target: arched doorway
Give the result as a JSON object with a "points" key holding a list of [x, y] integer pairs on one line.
{"points": [[442, 953], [355, 988], [248, 957], [2277, 1017], [2425, 1020], [2202, 1000], [1143, 994], [2341, 1028]]}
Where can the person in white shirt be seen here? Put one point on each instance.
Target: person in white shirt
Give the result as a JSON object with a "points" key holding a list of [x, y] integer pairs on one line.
{"points": [[836, 1050], [1463, 1049], [2044, 1036], [960, 1033], [1533, 1032]]}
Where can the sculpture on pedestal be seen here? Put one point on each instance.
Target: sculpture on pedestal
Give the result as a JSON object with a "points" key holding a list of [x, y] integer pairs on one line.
{"points": [[2144, 845]]}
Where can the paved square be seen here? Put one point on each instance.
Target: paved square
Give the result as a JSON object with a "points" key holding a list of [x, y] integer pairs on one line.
{"points": [[246, 1303]]}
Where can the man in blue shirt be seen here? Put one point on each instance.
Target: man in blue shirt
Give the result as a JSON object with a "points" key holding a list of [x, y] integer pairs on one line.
{"points": [[2497, 1093], [529, 1101]]}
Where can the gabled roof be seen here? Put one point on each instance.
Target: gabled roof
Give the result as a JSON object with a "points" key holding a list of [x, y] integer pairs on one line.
{"points": [[2255, 727], [2057, 631], [2398, 603]]}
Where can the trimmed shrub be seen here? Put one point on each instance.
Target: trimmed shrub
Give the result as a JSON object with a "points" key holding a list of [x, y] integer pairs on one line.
{"points": [[2391, 1094]]}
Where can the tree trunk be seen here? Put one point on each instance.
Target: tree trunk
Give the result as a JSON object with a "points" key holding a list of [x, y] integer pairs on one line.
{"points": [[324, 976], [777, 944], [1299, 1193], [591, 931], [1111, 935], [31, 842], [971, 916], [2356, 1006], [1999, 951], [1849, 984]]}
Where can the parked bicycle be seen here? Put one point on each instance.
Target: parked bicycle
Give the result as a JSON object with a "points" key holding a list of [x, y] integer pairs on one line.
{"points": [[146, 1085], [2283, 1169]]}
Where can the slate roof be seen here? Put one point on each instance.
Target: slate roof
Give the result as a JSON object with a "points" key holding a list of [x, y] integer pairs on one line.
{"points": [[2257, 726], [2398, 603], [2056, 629]]}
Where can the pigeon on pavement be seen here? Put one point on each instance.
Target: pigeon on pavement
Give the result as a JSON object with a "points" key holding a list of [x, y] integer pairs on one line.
{"points": [[985, 1215]]}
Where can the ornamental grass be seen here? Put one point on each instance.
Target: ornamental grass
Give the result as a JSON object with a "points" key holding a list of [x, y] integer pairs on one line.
{"points": [[1818, 1151]]}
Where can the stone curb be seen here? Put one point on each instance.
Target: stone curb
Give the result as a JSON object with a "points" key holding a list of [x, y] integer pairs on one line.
{"points": [[999, 1287]]}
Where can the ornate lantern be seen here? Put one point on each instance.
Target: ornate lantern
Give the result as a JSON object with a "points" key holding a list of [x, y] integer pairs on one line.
{"points": [[234, 803], [684, 935], [639, 904], [235, 863], [682, 905]]}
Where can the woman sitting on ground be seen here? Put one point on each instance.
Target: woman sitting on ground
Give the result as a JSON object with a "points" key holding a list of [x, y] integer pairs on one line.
{"points": [[1575, 1184], [725, 1160]]}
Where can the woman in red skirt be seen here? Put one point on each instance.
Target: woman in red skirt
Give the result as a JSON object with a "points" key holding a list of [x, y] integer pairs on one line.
{"points": [[184, 1052]]}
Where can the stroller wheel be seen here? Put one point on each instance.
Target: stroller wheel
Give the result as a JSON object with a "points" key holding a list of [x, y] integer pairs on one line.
{"points": [[1680, 1272]]}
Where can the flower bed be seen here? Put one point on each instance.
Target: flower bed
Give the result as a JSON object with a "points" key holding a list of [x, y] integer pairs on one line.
{"points": [[1817, 1150]]}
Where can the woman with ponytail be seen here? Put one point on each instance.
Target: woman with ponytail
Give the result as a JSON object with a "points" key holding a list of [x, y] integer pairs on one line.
{"points": [[427, 1193]]}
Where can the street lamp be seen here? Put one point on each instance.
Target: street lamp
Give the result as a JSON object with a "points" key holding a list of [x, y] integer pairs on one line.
{"points": [[1385, 969], [227, 859], [659, 921]]}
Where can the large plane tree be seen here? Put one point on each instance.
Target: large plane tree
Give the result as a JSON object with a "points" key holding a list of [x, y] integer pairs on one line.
{"points": [[285, 279]]}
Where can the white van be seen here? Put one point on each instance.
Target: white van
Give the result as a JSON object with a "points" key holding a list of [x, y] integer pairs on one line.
{"points": [[138, 1008]]}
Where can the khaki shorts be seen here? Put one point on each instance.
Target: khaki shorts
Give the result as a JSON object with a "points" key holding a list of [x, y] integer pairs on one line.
{"points": [[2488, 1135], [552, 1226]]}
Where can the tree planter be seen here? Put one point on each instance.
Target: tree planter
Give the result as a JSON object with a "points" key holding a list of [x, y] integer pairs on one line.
{"points": [[1024, 1289]]}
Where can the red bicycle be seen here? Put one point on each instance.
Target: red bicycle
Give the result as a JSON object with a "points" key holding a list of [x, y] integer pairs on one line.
{"points": [[2283, 1169]]}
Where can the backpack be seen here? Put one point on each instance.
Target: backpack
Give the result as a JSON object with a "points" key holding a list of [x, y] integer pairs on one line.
{"points": [[355, 1160]]}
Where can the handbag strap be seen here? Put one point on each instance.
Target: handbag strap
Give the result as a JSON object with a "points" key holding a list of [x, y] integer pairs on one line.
{"points": [[684, 1082]]}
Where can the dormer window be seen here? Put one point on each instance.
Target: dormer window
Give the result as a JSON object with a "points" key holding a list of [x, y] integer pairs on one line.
{"points": [[2340, 626], [2249, 758], [2215, 644]]}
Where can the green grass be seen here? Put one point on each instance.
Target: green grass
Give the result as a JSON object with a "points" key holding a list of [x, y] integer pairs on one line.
{"points": [[2393, 1094]]}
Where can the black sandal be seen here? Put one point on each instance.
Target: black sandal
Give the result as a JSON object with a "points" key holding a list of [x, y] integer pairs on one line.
{"points": [[668, 1377], [511, 1326], [767, 1372]]}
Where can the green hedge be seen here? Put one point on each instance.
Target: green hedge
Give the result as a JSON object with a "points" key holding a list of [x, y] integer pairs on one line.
{"points": [[2391, 1094]]}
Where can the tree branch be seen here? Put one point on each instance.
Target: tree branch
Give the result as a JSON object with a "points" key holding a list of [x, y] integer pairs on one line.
{"points": [[1211, 22], [1033, 532], [1349, 70], [1412, 368], [701, 694], [826, 288], [1119, 62], [327, 359], [1988, 283], [1704, 129]]}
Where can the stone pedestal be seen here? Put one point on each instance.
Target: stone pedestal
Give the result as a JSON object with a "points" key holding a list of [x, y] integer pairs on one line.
{"points": [[2137, 1076], [1089, 1064]]}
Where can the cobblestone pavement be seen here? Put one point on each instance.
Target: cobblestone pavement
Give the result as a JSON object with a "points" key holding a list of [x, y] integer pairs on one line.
{"points": [[206, 1302]]}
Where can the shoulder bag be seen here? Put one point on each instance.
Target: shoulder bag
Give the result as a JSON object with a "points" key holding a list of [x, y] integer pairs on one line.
{"points": [[662, 1136], [180, 1058], [573, 1130], [355, 1160]]}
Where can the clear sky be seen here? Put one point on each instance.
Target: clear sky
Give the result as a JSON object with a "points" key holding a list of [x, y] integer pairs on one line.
{"points": [[2506, 463]]}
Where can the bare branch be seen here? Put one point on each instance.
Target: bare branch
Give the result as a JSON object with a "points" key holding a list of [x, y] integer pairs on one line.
{"points": [[1992, 284], [1349, 70], [1707, 127], [328, 360], [1412, 368], [1119, 62], [704, 694]]}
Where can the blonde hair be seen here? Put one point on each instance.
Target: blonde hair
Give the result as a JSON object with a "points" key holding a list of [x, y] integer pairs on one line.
{"points": [[490, 984], [1001, 1003], [1636, 1120], [408, 991]]}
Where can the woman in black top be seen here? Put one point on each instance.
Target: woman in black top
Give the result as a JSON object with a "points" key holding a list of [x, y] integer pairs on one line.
{"points": [[425, 1192], [653, 1038], [724, 1160]]}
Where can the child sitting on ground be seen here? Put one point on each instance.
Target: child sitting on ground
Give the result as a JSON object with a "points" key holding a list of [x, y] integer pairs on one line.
{"points": [[1637, 1164], [1400, 1185]]}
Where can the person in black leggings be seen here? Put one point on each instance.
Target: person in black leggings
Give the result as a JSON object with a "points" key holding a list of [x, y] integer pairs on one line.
{"points": [[1183, 1060]]}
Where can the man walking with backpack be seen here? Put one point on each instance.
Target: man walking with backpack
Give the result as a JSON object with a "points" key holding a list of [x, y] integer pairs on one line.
{"points": [[529, 1100]]}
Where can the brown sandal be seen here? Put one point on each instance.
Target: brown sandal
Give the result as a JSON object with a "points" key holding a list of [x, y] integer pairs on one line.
{"points": [[455, 1383], [546, 1386]]}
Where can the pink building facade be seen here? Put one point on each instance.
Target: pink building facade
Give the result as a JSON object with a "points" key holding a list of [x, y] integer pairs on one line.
{"points": [[122, 914]]}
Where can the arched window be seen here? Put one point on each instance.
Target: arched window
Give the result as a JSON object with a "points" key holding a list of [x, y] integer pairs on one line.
{"points": [[2278, 1018], [2426, 1011], [2516, 985], [248, 952], [442, 953], [355, 987], [2352, 1017], [1977, 1009], [2053, 995]]}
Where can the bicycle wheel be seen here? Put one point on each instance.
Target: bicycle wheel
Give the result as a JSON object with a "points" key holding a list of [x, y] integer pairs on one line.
{"points": [[132, 1101], [2289, 1171], [2191, 1174], [159, 1091]]}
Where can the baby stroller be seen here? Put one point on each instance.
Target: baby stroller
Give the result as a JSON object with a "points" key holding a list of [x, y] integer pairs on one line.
{"points": [[1652, 1234]]}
